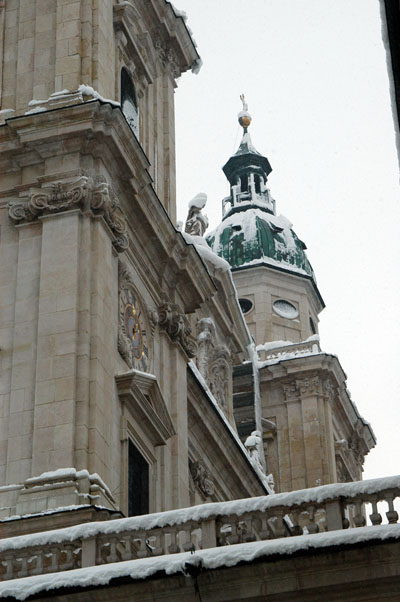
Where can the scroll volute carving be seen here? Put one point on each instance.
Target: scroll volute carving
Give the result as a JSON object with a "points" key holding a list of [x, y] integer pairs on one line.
{"points": [[85, 193]]}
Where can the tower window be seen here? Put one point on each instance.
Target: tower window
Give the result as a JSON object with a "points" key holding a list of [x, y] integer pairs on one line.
{"points": [[285, 309], [138, 482], [257, 183], [244, 183], [129, 101], [245, 305], [312, 326]]}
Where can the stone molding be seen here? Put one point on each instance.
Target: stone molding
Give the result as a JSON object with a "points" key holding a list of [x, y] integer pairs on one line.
{"points": [[173, 320], [84, 193], [201, 478]]}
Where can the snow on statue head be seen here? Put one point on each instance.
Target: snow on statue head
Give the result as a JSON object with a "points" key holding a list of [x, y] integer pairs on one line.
{"points": [[197, 223]]}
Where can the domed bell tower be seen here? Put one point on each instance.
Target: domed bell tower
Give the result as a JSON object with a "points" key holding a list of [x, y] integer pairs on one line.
{"points": [[293, 392]]}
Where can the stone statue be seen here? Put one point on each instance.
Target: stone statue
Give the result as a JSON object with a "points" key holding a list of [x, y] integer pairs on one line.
{"points": [[197, 223]]}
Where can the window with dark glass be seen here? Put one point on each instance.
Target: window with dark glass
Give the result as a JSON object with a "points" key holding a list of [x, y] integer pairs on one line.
{"points": [[312, 326], [244, 183], [129, 101], [138, 482], [257, 183]]}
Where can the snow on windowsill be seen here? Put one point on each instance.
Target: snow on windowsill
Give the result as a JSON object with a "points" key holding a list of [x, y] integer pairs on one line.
{"points": [[212, 558]]}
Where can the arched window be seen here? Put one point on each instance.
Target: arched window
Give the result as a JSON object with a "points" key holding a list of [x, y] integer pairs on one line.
{"points": [[257, 183], [129, 101]]}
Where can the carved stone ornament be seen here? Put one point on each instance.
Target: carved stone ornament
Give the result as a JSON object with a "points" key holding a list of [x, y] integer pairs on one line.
{"points": [[290, 390], [205, 342], [219, 373], [133, 340], [167, 57], [172, 319], [84, 193], [201, 478], [196, 223], [328, 389], [309, 386]]}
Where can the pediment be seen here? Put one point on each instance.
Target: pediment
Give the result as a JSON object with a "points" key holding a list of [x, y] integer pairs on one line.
{"points": [[142, 396]]}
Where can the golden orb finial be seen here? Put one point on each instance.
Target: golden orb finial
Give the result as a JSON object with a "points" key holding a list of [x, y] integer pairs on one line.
{"points": [[244, 116]]}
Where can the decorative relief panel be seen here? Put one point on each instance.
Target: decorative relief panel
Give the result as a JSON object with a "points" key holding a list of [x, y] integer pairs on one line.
{"points": [[219, 374], [84, 193], [133, 341], [213, 361], [201, 478]]}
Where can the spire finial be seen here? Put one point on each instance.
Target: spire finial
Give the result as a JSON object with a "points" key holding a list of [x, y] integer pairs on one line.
{"points": [[244, 116]]}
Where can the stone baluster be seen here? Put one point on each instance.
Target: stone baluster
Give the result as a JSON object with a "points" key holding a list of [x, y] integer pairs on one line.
{"points": [[234, 537], [391, 514], [142, 551], [265, 531], [173, 547], [22, 561], [359, 518], [53, 564], [249, 530], [38, 568], [159, 543], [187, 544], [125, 546], [294, 516], [312, 524], [8, 563], [279, 527], [375, 516]]}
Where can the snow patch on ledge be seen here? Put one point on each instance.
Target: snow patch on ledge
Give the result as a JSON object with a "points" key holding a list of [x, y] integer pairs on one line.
{"points": [[69, 508], [212, 558], [206, 252], [67, 473]]}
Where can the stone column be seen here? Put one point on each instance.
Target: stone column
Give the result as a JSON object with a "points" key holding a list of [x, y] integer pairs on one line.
{"points": [[55, 394]]}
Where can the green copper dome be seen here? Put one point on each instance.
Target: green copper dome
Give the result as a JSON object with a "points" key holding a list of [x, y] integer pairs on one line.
{"points": [[251, 235]]}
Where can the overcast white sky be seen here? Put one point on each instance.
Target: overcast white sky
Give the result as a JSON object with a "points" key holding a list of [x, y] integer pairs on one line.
{"points": [[314, 75]]}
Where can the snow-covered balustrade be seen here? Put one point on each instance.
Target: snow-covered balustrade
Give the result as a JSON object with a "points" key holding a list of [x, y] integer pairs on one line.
{"points": [[278, 350], [307, 511]]}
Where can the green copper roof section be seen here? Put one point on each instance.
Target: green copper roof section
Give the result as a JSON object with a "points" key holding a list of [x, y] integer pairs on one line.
{"points": [[251, 235]]}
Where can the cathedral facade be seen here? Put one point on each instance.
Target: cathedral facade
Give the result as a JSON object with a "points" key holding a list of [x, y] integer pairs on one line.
{"points": [[147, 369]]}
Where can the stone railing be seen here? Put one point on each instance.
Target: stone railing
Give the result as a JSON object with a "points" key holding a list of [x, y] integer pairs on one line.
{"points": [[307, 511], [288, 351]]}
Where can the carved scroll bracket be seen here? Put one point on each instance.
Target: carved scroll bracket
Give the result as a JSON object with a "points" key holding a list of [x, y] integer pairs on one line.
{"points": [[84, 193], [173, 320]]}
